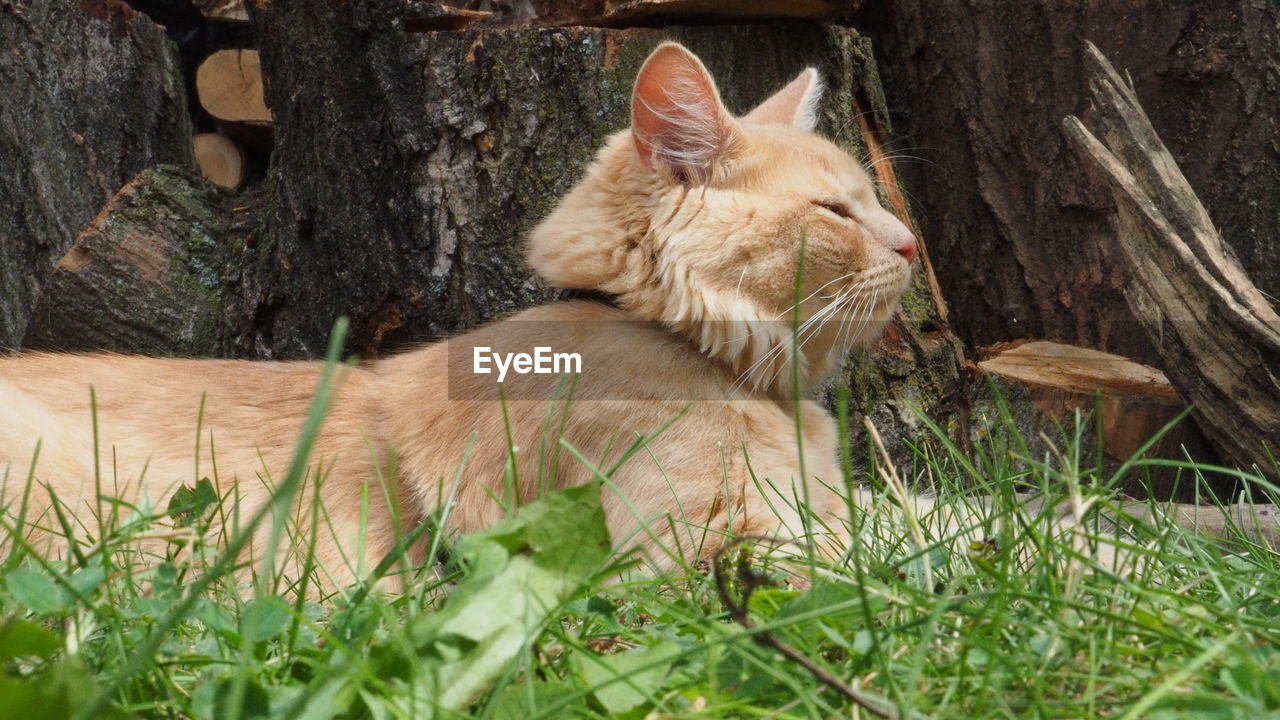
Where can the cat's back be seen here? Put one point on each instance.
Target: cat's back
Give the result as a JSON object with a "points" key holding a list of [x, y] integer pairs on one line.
{"points": [[143, 415], [131, 389]]}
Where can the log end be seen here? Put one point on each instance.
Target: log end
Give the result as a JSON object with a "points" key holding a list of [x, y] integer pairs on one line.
{"points": [[220, 159], [229, 85]]}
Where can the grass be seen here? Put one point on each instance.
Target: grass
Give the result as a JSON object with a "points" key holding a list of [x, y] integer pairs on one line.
{"points": [[538, 618]]}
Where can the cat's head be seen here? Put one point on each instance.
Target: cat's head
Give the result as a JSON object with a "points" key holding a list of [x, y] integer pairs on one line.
{"points": [[697, 219]]}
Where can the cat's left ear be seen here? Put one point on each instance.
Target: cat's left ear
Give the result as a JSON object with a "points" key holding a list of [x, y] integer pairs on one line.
{"points": [[795, 105]]}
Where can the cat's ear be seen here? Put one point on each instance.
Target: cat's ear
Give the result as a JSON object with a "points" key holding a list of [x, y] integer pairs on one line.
{"points": [[795, 105], [677, 120]]}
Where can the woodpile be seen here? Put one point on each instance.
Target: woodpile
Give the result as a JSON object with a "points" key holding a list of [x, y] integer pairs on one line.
{"points": [[93, 95]]}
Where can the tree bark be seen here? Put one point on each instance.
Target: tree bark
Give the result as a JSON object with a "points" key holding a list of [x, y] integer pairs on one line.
{"points": [[1023, 236], [92, 95]]}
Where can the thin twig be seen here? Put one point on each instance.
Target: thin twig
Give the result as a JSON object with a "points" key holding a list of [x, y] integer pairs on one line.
{"points": [[749, 579]]}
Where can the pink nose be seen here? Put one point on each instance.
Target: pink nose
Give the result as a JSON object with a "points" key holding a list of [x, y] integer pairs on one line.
{"points": [[907, 248], [890, 231]]}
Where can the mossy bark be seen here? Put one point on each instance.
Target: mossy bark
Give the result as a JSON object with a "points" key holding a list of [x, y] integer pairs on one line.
{"points": [[92, 95], [148, 276], [1023, 232]]}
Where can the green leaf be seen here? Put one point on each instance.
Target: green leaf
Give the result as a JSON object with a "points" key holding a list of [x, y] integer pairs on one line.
{"points": [[539, 699], [518, 573], [264, 618], [215, 616], [36, 591], [86, 580], [215, 700], [834, 602], [623, 681], [189, 505], [23, 638]]}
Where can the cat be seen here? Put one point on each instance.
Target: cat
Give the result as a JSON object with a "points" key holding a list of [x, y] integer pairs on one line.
{"points": [[697, 232]]}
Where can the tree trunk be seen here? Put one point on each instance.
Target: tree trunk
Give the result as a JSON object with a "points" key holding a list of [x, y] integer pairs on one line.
{"points": [[1024, 237], [92, 95]]}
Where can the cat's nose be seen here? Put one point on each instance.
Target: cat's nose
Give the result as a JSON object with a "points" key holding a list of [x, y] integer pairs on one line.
{"points": [[902, 241], [907, 247], [892, 232]]}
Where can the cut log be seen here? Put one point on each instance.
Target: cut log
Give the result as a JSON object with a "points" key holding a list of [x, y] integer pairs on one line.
{"points": [[229, 85], [146, 276], [1135, 401], [93, 94], [220, 159], [1217, 335]]}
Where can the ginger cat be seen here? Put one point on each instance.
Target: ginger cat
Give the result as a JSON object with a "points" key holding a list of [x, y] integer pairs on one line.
{"points": [[692, 220]]}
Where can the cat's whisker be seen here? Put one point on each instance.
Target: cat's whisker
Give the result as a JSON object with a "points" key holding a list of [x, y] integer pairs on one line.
{"points": [[808, 330], [847, 336], [870, 313], [737, 292], [895, 158], [834, 310], [825, 285], [839, 348], [740, 339]]}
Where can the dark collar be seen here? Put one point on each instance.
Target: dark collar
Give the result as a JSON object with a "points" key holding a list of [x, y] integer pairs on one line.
{"points": [[599, 296]]}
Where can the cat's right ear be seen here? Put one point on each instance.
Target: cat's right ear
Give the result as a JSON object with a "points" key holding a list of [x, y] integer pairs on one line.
{"points": [[679, 125], [795, 105]]}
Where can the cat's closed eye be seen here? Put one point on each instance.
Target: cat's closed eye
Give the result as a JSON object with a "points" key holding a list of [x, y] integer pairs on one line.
{"points": [[835, 207]]}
